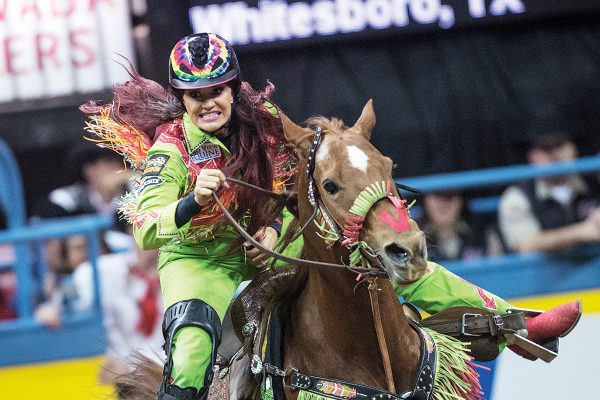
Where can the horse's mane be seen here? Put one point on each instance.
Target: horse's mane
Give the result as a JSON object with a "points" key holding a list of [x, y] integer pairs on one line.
{"points": [[327, 124]]}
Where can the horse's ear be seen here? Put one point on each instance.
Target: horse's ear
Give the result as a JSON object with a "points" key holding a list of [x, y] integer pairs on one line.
{"points": [[366, 122], [294, 133]]}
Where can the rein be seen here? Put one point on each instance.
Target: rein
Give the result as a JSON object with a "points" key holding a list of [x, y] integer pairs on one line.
{"points": [[291, 260]]}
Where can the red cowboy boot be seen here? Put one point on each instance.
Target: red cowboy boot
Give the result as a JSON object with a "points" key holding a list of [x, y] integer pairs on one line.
{"points": [[549, 326]]}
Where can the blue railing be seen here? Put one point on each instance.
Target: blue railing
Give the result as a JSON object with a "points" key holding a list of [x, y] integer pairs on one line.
{"points": [[499, 176], [24, 340], [516, 275]]}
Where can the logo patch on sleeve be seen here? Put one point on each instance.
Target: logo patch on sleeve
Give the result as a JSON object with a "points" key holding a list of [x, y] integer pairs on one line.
{"points": [[148, 182], [155, 164], [206, 152]]}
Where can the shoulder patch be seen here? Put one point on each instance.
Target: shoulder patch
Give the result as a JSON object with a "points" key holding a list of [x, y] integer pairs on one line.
{"points": [[155, 164]]}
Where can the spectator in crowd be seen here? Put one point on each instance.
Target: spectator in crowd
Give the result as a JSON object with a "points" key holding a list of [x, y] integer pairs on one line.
{"points": [[130, 298], [8, 280], [100, 179], [452, 233], [8, 287], [60, 291], [131, 307], [550, 213]]}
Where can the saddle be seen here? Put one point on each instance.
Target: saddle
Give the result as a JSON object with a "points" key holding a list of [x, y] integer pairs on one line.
{"points": [[244, 328], [247, 325]]}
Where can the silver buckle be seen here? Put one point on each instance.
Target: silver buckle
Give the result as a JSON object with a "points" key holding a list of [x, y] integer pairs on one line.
{"points": [[463, 326], [256, 365], [498, 321]]}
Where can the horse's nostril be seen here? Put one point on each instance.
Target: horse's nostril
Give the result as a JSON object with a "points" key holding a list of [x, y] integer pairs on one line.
{"points": [[398, 254]]}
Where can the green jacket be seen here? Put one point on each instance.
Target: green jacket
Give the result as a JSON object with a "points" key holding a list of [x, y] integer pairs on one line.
{"points": [[173, 162]]}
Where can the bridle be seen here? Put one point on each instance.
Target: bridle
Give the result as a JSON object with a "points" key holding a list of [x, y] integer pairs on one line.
{"points": [[346, 235]]}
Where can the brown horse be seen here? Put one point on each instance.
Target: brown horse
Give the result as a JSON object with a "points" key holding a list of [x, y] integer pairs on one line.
{"points": [[343, 336], [331, 329]]}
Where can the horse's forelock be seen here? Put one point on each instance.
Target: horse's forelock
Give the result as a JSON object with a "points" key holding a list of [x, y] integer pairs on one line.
{"points": [[327, 124]]}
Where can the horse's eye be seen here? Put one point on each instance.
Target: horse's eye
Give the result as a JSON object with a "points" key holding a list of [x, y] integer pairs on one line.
{"points": [[330, 187]]}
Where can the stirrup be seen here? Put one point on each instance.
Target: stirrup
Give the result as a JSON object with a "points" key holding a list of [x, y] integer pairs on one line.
{"points": [[544, 329]]}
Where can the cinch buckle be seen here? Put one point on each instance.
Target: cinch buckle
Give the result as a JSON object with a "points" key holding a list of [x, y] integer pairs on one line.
{"points": [[498, 321], [463, 326]]}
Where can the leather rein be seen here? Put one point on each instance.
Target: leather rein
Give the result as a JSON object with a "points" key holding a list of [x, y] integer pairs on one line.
{"points": [[282, 257]]}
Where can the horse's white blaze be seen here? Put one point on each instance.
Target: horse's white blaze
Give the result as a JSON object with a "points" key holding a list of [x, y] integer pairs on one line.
{"points": [[322, 152], [358, 158]]}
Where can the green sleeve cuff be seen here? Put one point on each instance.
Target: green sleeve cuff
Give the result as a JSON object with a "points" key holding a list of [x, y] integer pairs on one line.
{"points": [[167, 227]]}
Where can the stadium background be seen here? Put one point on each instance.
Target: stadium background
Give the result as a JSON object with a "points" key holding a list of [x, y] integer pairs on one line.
{"points": [[450, 94]]}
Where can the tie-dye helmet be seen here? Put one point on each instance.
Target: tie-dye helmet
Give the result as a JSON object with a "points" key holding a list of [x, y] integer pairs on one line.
{"points": [[202, 60]]}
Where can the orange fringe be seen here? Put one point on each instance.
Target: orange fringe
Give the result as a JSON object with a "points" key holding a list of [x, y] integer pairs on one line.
{"points": [[125, 139]]}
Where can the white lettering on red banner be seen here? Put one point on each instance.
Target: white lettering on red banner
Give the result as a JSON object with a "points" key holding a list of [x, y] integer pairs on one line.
{"points": [[58, 47]]}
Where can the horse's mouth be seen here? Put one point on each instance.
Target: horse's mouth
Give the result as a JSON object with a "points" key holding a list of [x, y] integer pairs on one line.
{"points": [[401, 265]]}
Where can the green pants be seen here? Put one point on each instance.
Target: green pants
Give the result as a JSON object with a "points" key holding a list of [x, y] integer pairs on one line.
{"points": [[210, 272], [194, 278]]}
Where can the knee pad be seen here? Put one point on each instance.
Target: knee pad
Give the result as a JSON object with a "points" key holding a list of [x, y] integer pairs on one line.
{"points": [[195, 313]]}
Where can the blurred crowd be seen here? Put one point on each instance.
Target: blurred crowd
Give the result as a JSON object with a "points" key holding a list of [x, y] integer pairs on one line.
{"points": [[63, 276], [549, 214]]}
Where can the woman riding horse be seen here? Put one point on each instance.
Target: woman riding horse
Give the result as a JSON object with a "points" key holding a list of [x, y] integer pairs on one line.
{"points": [[210, 126]]}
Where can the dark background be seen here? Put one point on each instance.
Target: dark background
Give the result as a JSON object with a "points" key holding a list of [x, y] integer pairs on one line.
{"points": [[446, 100]]}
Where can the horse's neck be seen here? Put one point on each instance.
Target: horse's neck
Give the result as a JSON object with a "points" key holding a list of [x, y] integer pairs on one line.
{"points": [[332, 327]]}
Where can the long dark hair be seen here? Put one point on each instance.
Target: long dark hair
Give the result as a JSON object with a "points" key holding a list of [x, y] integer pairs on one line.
{"points": [[257, 135]]}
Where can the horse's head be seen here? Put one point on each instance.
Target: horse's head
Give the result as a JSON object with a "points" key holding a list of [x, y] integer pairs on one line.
{"points": [[352, 180]]}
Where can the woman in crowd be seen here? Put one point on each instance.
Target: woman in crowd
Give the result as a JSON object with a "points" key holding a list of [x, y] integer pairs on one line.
{"points": [[452, 233]]}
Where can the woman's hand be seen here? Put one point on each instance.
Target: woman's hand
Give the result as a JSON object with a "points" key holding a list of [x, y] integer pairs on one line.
{"points": [[267, 237], [208, 181]]}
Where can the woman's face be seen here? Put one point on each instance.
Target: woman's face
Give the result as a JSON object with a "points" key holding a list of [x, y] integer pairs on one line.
{"points": [[209, 108], [443, 209]]}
